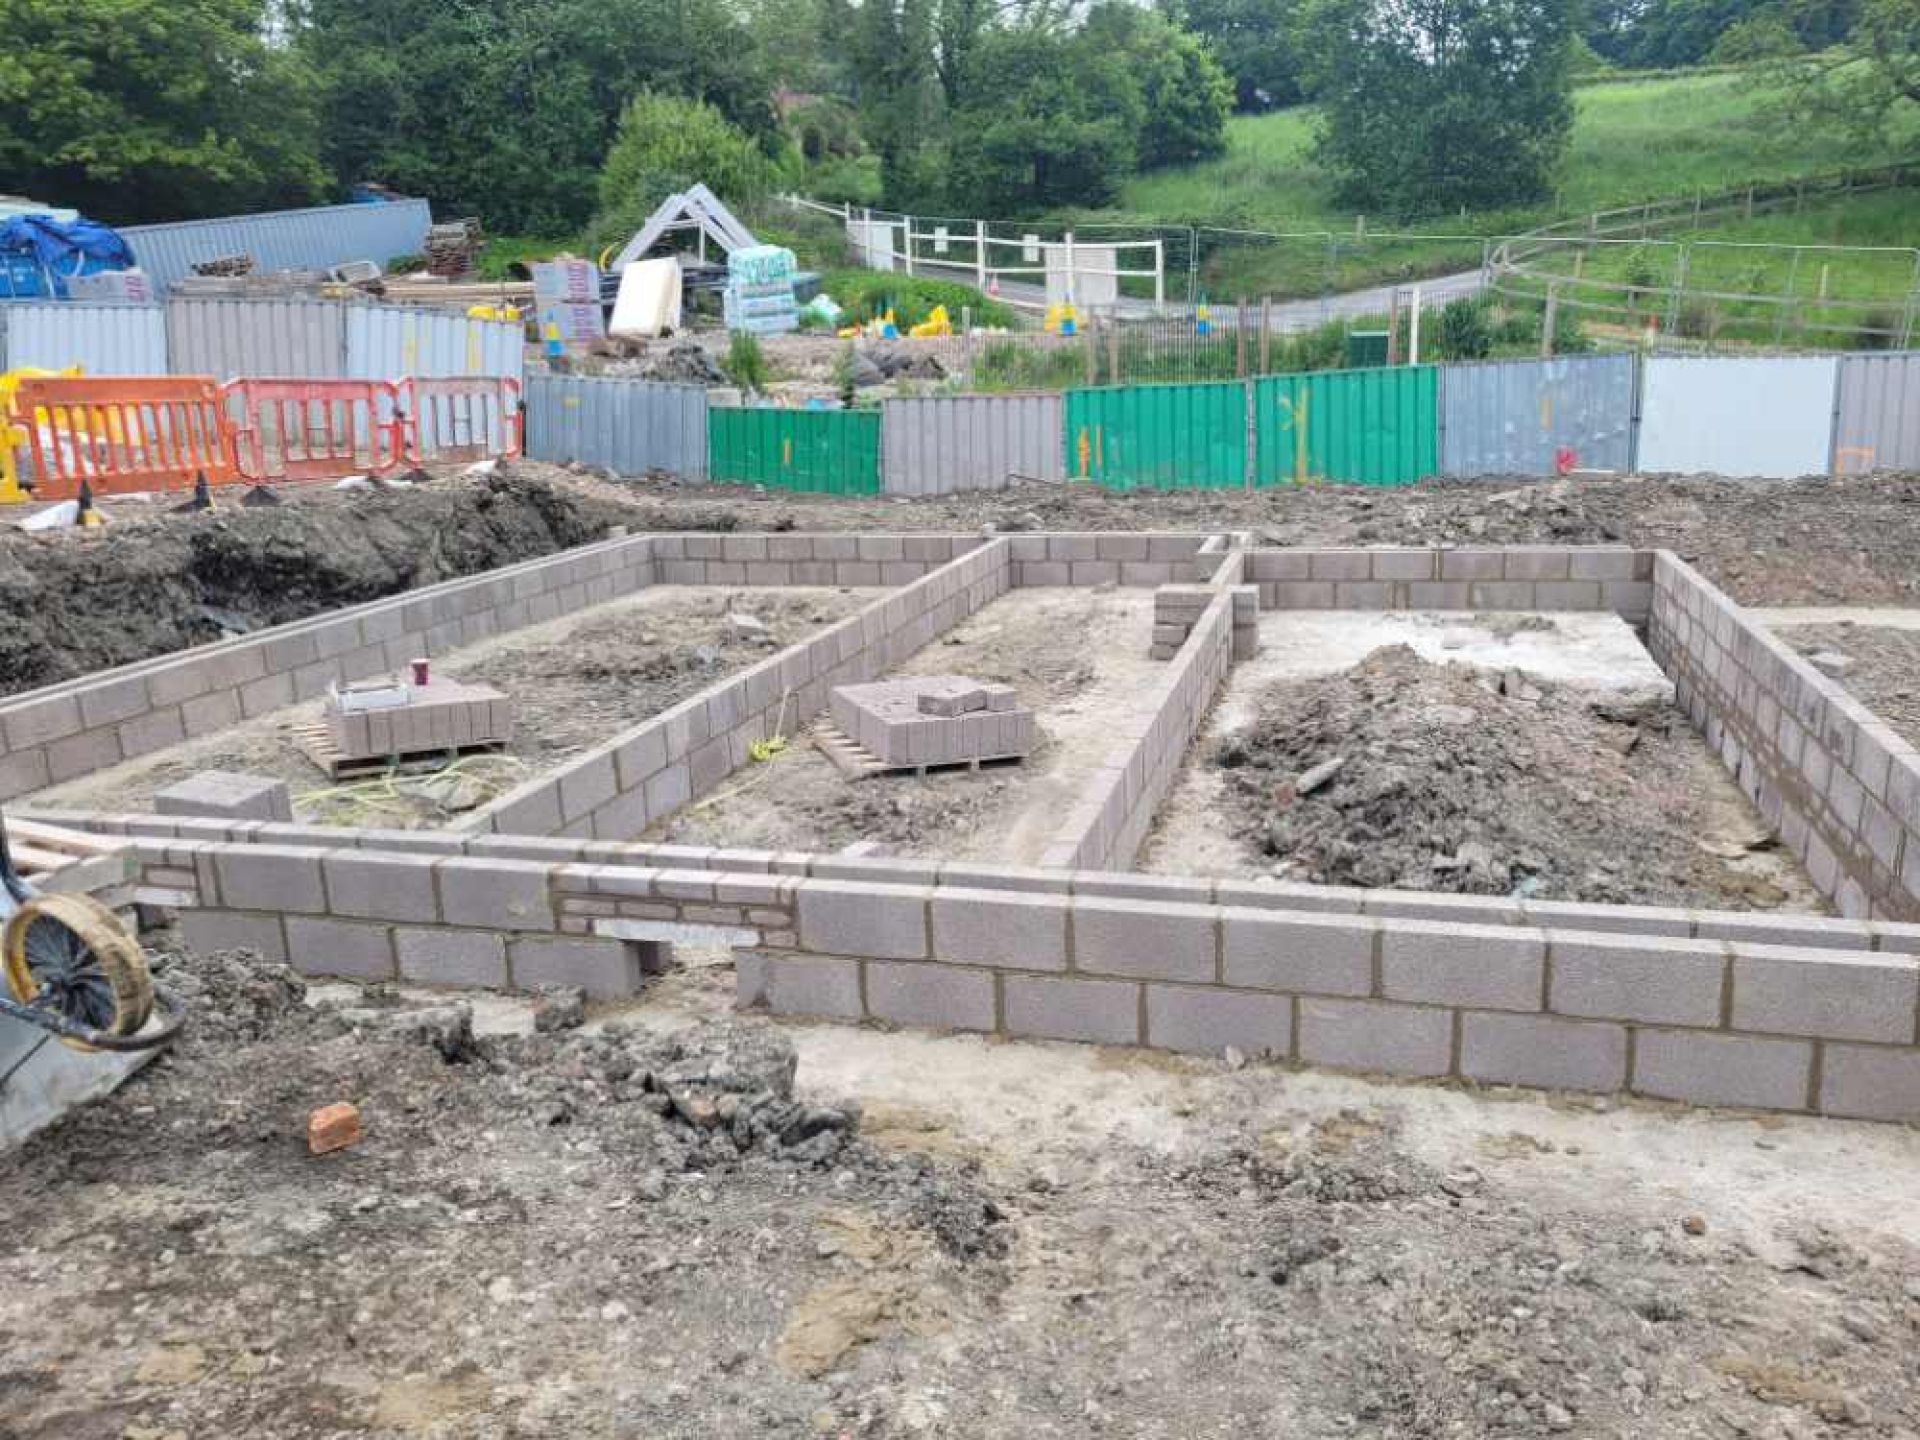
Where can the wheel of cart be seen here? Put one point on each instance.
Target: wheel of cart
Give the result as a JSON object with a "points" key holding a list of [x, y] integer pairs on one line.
{"points": [[73, 968]]}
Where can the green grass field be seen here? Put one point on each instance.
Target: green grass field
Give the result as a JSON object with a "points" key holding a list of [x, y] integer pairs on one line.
{"points": [[1633, 140]]}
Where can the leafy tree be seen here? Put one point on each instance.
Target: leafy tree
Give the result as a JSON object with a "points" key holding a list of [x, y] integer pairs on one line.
{"points": [[890, 46], [1060, 126], [1663, 34], [1758, 37], [664, 144], [1435, 105], [1257, 43], [1185, 96], [1866, 84], [154, 109], [508, 110]]}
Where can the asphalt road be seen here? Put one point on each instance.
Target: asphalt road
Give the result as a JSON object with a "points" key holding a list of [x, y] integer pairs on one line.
{"points": [[1288, 315]]}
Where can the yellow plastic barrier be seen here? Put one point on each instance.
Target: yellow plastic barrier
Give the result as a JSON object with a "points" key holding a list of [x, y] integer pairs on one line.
{"points": [[13, 437]]}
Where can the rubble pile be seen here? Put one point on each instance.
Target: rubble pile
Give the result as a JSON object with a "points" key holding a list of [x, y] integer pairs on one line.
{"points": [[1400, 773]]}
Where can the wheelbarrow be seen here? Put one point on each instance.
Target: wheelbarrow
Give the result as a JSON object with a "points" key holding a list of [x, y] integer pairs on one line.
{"points": [[73, 969]]}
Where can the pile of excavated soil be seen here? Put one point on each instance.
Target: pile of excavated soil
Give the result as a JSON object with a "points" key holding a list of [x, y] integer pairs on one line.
{"points": [[77, 601], [1449, 779]]}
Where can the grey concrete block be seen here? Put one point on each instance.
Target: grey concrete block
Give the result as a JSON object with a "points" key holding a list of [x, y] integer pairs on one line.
{"points": [[1006, 929], [1647, 978], [1305, 954], [340, 947], [798, 984], [271, 878], [1487, 967], [1144, 939], [944, 997], [494, 894], [1702, 1068], [600, 967], [1372, 1035], [872, 921], [1207, 1021], [1824, 994], [1101, 1011], [380, 887], [226, 795], [451, 957], [208, 931], [1542, 1050], [1870, 1082]]}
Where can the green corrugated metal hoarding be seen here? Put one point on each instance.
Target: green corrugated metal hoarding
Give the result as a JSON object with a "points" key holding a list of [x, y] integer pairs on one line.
{"points": [[1164, 437], [1360, 427], [835, 451]]}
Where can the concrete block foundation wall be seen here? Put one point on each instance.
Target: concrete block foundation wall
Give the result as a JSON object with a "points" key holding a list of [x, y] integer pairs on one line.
{"points": [[1704, 1021], [1774, 1012], [1133, 558], [655, 767], [1514, 577], [1785, 1012], [1106, 829], [1841, 786], [80, 726]]}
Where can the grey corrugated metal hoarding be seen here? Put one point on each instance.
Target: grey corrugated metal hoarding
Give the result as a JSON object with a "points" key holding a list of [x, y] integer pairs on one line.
{"points": [[387, 342], [313, 239], [230, 338], [938, 445], [101, 339], [1723, 415], [1515, 417], [629, 426], [1878, 422]]}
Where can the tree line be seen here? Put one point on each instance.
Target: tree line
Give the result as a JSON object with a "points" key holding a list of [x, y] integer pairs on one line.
{"points": [[547, 118]]}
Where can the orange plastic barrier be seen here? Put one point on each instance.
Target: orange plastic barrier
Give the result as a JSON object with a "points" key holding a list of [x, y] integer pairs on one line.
{"points": [[313, 429], [455, 418], [121, 433]]}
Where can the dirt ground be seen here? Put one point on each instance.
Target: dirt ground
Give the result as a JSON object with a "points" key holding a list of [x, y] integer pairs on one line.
{"points": [[74, 602], [558, 1235], [574, 682], [1880, 665], [1077, 658], [1486, 763]]}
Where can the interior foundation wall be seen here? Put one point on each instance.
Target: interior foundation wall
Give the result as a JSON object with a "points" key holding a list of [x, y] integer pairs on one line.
{"points": [[686, 752], [1840, 785]]}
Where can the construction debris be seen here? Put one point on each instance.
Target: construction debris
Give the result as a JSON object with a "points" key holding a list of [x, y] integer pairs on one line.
{"points": [[332, 1127], [453, 248]]}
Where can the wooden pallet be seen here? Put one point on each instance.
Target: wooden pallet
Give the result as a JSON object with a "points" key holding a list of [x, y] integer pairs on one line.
{"points": [[315, 740], [857, 762], [60, 861]]}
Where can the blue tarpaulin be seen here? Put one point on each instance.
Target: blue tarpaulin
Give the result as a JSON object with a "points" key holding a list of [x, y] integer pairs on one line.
{"points": [[55, 249]]}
